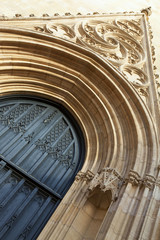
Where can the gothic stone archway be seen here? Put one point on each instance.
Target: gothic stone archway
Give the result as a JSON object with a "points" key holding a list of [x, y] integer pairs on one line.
{"points": [[120, 135]]}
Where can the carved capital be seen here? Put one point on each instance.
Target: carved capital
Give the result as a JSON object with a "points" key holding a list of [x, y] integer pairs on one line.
{"points": [[134, 178], [84, 176], [89, 175], [80, 176], [107, 179], [149, 181]]}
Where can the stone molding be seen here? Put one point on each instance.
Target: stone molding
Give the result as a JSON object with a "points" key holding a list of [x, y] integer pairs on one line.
{"points": [[117, 39], [69, 14], [149, 181], [119, 130], [120, 38], [107, 179], [85, 80], [84, 176], [135, 179]]}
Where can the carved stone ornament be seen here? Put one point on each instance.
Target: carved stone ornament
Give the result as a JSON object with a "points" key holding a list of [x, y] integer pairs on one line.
{"points": [[147, 11], [118, 40], [84, 176], [122, 39], [107, 179], [149, 181], [134, 178]]}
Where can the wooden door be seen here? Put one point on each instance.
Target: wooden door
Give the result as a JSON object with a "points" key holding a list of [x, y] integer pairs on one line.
{"points": [[41, 151]]}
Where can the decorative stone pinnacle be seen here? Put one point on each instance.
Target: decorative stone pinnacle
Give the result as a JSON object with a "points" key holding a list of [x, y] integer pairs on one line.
{"points": [[147, 11]]}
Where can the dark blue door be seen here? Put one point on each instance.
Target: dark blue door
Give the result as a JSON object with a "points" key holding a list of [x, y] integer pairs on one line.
{"points": [[41, 151]]}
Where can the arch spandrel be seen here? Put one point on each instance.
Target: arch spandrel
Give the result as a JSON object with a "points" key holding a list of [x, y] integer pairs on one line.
{"points": [[116, 124]]}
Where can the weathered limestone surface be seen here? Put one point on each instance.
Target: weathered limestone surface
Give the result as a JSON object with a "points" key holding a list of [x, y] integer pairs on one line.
{"points": [[101, 69]]}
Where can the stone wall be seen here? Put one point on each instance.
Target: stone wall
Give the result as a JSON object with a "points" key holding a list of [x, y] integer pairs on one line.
{"points": [[40, 7]]}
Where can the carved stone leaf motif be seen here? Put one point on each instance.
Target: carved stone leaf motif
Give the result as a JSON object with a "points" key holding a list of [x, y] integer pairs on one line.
{"points": [[158, 181], [119, 41], [134, 178], [84, 176], [149, 181], [137, 77], [110, 41], [60, 30], [131, 27], [118, 46], [107, 179]]}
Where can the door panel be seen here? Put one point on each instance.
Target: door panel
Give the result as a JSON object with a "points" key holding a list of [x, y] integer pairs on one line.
{"points": [[22, 204], [39, 139], [42, 152]]}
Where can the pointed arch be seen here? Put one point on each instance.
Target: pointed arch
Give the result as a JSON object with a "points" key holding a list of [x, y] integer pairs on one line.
{"points": [[117, 126]]}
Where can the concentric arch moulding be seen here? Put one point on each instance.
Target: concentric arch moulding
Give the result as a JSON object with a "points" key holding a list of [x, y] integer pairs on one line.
{"points": [[123, 39]]}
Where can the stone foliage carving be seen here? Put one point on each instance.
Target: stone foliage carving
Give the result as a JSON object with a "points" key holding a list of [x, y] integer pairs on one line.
{"points": [[134, 178], [149, 181], [117, 40], [107, 179], [84, 176], [121, 39], [110, 179]]}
